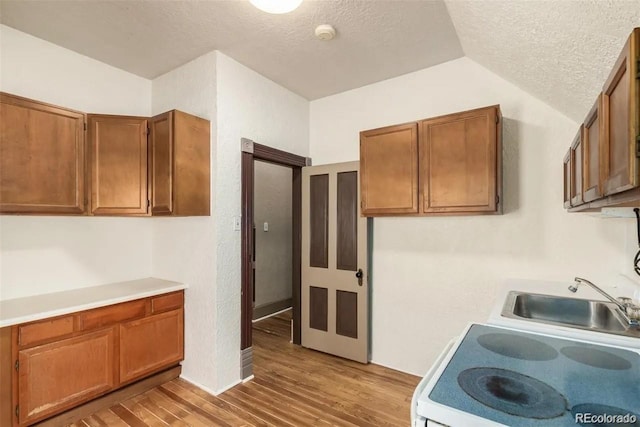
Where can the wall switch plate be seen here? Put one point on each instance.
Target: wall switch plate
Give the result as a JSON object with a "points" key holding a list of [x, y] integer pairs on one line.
{"points": [[265, 227], [236, 223]]}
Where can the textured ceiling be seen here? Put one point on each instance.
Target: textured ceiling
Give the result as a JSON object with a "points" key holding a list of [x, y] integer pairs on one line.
{"points": [[376, 40], [560, 51]]}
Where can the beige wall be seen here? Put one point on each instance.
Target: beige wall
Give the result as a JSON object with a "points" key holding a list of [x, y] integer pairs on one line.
{"points": [[272, 204], [431, 276]]}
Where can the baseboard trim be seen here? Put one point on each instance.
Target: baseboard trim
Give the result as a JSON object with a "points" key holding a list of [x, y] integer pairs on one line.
{"points": [[271, 309], [111, 399], [200, 386]]}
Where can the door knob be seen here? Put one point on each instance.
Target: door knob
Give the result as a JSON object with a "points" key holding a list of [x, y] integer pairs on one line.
{"points": [[359, 276]]}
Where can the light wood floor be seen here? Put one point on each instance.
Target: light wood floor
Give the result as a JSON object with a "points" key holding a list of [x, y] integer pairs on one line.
{"points": [[293, 386]]}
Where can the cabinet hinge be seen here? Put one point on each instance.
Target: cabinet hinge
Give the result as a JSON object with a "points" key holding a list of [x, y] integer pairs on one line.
{"points": [[17, 365], [497, 200], [638, 146], [85, 125], [148, 203], [18, 411], [148, 130], [497, 119]]}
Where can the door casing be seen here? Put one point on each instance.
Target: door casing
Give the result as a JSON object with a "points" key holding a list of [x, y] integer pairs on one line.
{"points": [[251, 152]]}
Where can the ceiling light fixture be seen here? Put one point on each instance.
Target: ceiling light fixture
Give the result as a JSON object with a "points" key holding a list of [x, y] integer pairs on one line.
{"points": [[276, 6]]}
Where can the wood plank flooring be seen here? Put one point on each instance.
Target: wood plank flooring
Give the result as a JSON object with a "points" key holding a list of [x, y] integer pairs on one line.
{"points": [[293, 386]]}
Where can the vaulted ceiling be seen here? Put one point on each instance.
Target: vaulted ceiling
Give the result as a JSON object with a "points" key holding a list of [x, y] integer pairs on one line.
{"points": [[557, 50]]}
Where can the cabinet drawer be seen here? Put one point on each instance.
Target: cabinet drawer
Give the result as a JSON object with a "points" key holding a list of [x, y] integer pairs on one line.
{"points": [[112, 314], [47, 329], [167, 302]]}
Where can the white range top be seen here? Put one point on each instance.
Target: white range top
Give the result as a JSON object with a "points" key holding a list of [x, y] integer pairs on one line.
{"points": [[28, 309]]}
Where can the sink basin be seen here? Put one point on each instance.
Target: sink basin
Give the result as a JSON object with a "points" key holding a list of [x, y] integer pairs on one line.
{"points": [[597, 316]]}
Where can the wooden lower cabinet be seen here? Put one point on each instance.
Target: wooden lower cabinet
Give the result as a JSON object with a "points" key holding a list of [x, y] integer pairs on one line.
{"points": [[59, 375], [151, 343], [48, 367]]}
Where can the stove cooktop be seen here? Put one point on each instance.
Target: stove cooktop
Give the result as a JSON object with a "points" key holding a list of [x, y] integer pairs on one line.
{"points": [[522, 379]]}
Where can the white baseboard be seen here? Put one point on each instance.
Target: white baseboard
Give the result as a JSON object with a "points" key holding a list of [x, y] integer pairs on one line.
{"points": [[200, 386], [249, 378], [271, 315], [394, 368]]}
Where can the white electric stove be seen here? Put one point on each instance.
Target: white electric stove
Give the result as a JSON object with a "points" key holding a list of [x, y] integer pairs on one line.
{"points": [[498, 376]]}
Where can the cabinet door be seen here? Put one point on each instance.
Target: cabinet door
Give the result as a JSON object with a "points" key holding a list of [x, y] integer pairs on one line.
{"points": [[161, 163], [42, 157], [567, 173], [577, 167], [620, 111], [592, 150], [151, 343], [389, 170], [118, 165], [459, 162], [57, 376], [191, 165]]}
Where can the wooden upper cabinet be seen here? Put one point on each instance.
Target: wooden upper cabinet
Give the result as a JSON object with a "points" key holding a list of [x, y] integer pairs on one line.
{"points": [[161, 163], [592, 141], [577, 169], [460, 162], [567, 173], [621, 120], [118, 156], [179, 162], [42, 158], [389, 170]]}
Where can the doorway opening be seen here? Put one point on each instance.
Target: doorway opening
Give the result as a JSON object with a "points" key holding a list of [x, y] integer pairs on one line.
{"points": [[252, 153]]}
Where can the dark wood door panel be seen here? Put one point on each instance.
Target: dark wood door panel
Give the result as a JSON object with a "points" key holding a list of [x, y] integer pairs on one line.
{"points": [[347, 221], [319, 194]]}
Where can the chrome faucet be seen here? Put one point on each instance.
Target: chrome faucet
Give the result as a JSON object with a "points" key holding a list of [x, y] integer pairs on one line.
{"points": [[630, 311]]}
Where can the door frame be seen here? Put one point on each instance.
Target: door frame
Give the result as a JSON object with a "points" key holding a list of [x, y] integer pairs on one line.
{"points": [[252, 151]]}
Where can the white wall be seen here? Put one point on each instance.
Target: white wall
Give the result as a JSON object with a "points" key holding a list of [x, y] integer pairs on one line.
{"points": [[184, 249], [248, 106], [48, 254], [433, 275], [272, 204]]}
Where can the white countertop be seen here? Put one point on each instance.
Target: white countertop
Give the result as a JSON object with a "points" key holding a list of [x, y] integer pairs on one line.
{"points": [[561, 289], [28, 309]]}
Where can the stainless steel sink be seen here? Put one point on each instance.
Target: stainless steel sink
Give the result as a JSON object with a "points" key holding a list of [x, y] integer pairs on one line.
{"points": [[597, 316]]}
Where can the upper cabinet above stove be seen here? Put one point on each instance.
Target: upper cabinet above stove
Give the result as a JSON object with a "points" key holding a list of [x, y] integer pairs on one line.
{"points": [[609, 163], [446, 165]]}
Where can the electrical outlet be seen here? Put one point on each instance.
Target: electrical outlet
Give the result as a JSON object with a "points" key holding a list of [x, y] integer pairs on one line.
{"points": [[236, 223], [265, 227]]}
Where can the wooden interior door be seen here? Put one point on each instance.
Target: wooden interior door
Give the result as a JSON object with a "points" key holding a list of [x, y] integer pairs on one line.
{"points": [[335, 288], [119, 183], [621, 121]]}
